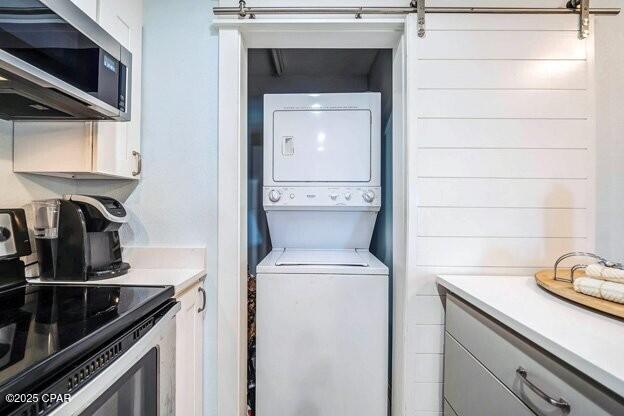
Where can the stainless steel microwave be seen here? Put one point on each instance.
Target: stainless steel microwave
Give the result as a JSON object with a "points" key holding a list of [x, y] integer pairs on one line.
{"points": [[56, 63]]}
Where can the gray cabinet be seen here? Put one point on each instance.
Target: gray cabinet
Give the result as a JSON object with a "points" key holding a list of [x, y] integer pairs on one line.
{"points": [[448, 410], [488, 366], [472, 390]]}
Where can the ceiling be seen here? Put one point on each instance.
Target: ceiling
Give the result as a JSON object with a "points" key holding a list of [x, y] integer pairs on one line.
{"points": [[310, 62]]}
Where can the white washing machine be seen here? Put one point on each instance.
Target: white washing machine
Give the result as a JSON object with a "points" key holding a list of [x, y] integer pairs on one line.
{"points": [[322, 297]]}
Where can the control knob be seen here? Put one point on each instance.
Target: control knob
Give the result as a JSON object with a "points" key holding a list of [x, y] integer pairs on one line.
{"points": [[274, 195], [369, 196]]}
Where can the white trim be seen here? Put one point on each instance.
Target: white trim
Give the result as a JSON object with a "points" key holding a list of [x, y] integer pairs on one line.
{"points": [[235, 36], [591, 150], [320, 24], [317, 33], [232, 227], [400, 196]]}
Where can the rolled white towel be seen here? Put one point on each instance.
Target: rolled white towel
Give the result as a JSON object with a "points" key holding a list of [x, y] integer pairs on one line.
{"points": [[588, 286], [612, 291], [613, 275], [594, 270]]}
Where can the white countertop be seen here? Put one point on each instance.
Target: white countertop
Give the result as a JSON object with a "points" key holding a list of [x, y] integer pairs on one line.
{"points": [[180, 279], [591, 342]]}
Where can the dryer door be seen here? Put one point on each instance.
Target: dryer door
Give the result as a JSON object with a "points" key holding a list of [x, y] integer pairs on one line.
{"points": [[322, 145]]}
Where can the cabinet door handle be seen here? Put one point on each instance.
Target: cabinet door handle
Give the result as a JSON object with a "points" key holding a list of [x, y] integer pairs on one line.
{"points": [[203, 292], [139, 163], [561, 403]]}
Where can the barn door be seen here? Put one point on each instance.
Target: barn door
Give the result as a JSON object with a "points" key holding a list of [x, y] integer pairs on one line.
{"points": [[501, 163]]}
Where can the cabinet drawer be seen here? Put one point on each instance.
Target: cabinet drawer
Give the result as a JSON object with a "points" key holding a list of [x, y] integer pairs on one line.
{"points": [[472, 390], [502, 352]]}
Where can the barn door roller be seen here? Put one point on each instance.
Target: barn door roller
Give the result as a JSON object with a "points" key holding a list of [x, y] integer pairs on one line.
{"points": [[421, 9], [583, 8], [580, 7]]}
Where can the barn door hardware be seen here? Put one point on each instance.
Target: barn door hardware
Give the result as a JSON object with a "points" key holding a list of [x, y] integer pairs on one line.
{"points": [[582, 6], [421, 9]]}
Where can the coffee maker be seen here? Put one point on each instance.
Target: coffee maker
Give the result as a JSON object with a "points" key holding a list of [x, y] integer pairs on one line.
{"points": [[14, 243], [87, 245]]}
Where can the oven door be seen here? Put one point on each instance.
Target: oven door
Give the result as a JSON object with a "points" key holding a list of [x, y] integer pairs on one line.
{"points": [[141, 382]]}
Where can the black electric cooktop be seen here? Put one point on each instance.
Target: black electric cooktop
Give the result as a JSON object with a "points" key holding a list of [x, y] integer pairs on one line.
{"points": [[45, 327]]}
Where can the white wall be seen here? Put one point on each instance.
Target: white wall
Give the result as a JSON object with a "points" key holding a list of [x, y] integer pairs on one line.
{"points": [[176, 199]]}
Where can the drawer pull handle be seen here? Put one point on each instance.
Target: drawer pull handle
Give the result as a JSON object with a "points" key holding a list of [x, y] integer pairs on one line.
{"points": [[561, 403], [203, 292]]}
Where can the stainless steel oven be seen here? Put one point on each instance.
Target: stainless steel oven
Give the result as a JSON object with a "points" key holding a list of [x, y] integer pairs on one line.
{"points": [[88, 351], [140, 382]]}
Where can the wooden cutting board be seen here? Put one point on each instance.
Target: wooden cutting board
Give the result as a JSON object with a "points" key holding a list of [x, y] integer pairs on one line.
{"points": [[545, 279]]}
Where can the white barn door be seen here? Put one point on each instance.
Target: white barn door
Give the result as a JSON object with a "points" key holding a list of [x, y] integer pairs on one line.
{"points": [[501, 163]]}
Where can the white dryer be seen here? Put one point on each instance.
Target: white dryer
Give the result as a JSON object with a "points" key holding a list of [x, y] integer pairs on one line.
{"points": [[322, 297], [322, 163]]}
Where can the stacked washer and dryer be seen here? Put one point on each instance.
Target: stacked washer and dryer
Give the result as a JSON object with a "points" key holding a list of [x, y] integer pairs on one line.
{"points": [[322, 297]]}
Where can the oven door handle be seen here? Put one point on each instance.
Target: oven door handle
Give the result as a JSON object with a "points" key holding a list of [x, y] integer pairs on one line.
{"points": [[161, 336]]}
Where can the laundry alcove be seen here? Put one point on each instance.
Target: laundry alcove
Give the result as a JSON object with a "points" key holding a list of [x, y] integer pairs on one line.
{"points": [[315, 71]]}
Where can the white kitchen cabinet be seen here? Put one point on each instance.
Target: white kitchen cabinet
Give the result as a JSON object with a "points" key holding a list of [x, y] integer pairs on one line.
{"points": [[91, 150], [189, 351]]}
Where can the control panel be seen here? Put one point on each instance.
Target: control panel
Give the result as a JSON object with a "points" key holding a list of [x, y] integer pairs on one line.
{"points": [[322, 197], [109, 208]]}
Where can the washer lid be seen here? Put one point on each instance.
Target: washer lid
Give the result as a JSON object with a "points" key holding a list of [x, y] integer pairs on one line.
{"points": [[295, 257], [269, 265]]}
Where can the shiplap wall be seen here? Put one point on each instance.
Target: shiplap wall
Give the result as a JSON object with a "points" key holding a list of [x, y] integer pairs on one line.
{"points": [[501, 164]]}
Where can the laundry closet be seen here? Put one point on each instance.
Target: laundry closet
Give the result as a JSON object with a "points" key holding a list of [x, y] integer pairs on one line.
{"points": [[319, 230]]}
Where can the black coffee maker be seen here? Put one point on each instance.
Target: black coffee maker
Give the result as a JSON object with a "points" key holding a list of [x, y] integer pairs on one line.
{"points": [[88, 245]]}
